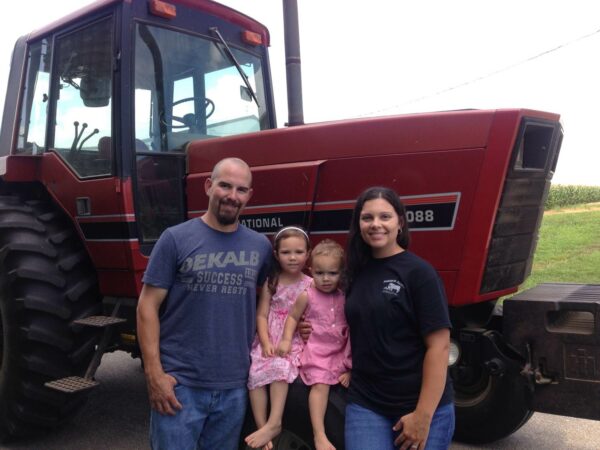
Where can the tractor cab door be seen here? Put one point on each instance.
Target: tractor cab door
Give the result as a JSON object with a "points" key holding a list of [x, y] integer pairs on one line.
{"points": [[187, 87]]}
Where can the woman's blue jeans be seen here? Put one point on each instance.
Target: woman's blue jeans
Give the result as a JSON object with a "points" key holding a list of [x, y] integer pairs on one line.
{"points": [[210, 419], [367, 430]]}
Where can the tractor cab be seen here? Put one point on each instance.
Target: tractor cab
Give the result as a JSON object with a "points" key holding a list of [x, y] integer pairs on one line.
{"points": [[100, 110], [118, 90]]}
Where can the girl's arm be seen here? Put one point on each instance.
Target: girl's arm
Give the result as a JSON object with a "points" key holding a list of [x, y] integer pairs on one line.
{"points": [[291, 322], [414, 427], [262, 321], [347, 354], [345, 377]]}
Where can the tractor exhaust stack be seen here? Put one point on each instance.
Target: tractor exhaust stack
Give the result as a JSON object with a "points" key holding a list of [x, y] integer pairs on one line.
{"points": [[292, 63]]}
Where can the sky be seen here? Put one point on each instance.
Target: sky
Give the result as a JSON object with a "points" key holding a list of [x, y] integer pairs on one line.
{"points": [[386, 57]]}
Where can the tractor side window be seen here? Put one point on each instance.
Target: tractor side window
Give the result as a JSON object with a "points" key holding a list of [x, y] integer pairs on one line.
{"points": [[34, 104], [83, 89]]}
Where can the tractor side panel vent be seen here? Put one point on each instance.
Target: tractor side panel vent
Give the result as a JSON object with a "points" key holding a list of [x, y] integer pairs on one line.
{"points": [[534, 148], [515, 232]]}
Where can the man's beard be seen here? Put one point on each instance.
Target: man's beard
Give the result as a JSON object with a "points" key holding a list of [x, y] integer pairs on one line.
{"points": [[227, 219]]}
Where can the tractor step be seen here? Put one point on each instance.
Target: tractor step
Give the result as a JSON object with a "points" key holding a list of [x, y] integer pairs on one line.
{"points": [[99, 321], [71, 385]]}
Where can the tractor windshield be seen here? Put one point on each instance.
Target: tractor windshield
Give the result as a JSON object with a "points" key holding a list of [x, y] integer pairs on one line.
{"points": [[188, 87]]}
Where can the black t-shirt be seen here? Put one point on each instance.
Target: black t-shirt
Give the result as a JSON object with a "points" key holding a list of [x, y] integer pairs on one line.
{"points": [[391, 306]]}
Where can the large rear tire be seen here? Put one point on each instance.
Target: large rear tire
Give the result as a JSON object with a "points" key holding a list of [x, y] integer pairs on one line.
{"points": [[46, 282], [490, 407]]}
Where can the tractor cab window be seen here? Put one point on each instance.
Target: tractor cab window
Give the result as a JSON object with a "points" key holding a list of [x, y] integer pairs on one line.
{"points": [[188, 87], [34, 105], [83, 99]]}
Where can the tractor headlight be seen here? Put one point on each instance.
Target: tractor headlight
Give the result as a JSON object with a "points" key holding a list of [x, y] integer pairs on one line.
{"points": [[454, 353]]}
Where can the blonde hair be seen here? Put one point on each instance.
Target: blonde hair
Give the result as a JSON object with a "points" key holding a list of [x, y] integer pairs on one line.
{"points": [[328, 247]]}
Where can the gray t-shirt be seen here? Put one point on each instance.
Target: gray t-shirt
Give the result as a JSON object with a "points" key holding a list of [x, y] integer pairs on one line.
{"points": [[208, 319]]}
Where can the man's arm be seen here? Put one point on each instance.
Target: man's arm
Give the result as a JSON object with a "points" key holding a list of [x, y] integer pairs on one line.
{"points": [[160, 385]]}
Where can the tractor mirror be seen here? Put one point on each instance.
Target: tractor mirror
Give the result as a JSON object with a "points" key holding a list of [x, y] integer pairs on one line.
{"points": [[245, 94], [95, 91]]}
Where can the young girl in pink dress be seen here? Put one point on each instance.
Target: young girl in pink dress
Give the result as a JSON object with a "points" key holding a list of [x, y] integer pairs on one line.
{"points": [[325, 360], [286, 283]]}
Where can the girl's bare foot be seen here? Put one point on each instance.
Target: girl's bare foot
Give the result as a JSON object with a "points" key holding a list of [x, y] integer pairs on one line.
{"points": [[263, 436], [322, 443]]}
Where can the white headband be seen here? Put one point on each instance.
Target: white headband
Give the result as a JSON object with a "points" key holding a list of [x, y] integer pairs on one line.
{"points": [[291, 228]]}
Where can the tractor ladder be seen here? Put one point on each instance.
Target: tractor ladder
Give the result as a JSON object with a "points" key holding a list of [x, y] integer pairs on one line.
{"points": [[76, 384]]}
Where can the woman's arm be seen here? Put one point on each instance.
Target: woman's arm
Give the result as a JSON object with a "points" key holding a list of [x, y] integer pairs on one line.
{"points": [[262, 321], [414, 427], [291, 322]]}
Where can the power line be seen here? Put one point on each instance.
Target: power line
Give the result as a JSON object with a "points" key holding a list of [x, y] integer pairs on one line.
{"points": [[483, 77]]}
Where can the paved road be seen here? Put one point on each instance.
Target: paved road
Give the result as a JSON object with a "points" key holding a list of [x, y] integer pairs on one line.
{"points": [[116, 418]]}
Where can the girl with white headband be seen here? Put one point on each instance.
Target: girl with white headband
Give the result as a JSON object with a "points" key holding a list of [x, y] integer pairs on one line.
{"points": [[291, 248]]}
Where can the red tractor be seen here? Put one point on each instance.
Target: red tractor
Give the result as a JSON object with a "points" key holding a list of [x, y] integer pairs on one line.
{"points": [[114, 117]]}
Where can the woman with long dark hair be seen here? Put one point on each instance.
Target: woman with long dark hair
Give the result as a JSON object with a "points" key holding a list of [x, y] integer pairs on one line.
{"points": [[400, 395]]}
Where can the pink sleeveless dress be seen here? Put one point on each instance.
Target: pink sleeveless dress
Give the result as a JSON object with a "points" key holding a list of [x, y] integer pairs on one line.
{"points": [[326, 355], [263, 370]]}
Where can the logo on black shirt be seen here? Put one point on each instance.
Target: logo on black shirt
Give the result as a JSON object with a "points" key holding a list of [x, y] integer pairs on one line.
{"points": [[392, 287]]}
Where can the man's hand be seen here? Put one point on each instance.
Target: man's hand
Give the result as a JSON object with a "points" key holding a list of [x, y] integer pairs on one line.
{"points": [[162, 395]]}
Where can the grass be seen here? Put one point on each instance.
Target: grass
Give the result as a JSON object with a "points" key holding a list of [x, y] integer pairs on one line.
{"points": [[568, 249]]}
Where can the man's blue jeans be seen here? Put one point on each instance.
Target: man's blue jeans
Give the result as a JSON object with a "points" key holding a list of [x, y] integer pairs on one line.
{"points": [[209, 420], [367, 430]]}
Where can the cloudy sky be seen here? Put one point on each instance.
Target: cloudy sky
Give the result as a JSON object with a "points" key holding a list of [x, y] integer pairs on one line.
{"points": [[385, 57]]}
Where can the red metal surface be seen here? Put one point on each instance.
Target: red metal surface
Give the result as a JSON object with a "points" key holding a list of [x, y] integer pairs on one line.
{"points": [[111, 202], [207, 6], [229, 14], [20, 168], [65, 187], [489, 188], [426, 158], [74, 17], [456, 159], [351, 138]]}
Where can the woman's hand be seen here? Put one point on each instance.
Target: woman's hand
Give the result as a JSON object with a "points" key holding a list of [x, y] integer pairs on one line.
{"points": [[414, 429]]}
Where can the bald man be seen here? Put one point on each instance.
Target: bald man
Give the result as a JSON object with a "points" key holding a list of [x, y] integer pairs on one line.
{"points": [[196, 318]]}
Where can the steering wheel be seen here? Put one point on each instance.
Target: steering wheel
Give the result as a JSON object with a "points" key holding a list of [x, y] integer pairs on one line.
{"points": [[189, 120]]}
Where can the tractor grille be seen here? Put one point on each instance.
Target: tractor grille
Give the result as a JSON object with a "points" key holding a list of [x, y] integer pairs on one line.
{"points": [[515, 232]]}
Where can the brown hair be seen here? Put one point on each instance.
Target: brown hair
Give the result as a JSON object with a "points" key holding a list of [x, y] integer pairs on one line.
{"points": [[359, 253], [284, 233]]}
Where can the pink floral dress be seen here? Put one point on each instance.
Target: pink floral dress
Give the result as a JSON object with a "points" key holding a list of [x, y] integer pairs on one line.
{"points": [[263, 370], [326, 355]]}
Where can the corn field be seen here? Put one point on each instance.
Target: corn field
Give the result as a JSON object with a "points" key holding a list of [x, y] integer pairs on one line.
{"points": [[561, 195]]}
